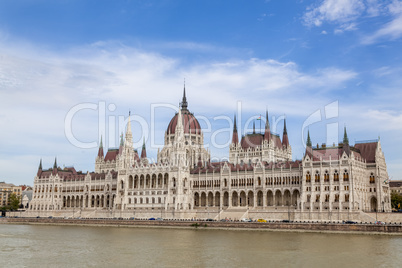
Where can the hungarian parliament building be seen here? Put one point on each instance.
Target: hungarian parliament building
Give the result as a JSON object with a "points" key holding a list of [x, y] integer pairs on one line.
{"points": [[260, 180]]}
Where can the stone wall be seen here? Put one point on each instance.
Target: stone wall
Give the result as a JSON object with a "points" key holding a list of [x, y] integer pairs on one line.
{"points": [[217, 215], [303, 227]]}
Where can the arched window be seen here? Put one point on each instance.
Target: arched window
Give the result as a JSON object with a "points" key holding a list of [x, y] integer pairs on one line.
{"points": [[326, 176], [317, 176], [372, 178], [336, 175], [308, 177], [345, 175]]}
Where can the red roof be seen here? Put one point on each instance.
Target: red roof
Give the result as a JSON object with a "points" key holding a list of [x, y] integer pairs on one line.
{"points": [[189, 122], [111, 154], [216, 166], [367, 150], [256, 139]]}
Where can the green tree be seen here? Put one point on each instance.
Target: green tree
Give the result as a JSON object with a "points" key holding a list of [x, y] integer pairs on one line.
{"points": [[14, 201], [396, 199]]}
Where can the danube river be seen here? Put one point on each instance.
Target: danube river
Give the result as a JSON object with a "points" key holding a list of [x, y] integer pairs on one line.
{"points": [[76, 246]]}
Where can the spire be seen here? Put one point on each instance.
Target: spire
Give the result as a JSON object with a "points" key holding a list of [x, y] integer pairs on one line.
{"points": [[308, 139], [235, 137], [253, 127], [345, 137], [40, 168], [144, 151], [100, 151], [309, 148], [267, 134], [285, 139], [121, 140], [184, 100], [129, 134], [284, 127], [346, 147], [179, 132], [55, 163], [121, 144]]}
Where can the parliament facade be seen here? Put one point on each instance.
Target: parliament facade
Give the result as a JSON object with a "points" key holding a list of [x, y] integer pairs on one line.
{"points": [[260, 180]]}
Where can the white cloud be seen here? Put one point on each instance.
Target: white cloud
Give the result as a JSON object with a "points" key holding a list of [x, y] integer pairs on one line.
{"points": [[334, 11], [390, 31], [38, 88], [347, 14]]}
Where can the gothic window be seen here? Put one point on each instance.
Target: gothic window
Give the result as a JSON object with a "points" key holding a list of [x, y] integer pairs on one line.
{"points": [[345, 175], [336, 175], [372, 178], [317, 176], [326, 176], [337, 198], [308, 177]]}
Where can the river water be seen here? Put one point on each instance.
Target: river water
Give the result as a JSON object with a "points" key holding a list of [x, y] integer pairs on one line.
{"points": [[76, 246]]}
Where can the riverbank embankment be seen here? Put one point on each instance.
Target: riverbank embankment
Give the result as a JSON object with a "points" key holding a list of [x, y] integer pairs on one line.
{"points": [[395, 229]]}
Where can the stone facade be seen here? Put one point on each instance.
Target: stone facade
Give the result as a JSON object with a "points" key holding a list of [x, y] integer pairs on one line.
{"points": [[6, 189], [259, 178]]}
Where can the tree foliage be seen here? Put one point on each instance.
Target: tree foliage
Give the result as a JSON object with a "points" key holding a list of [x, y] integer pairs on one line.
{"points": [[14, 201], [396, 199]]}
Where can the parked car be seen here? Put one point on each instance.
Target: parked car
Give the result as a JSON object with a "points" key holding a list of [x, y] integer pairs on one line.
{"points": [[209, 220], [159, 219], [151, 219], [380, 222], [246, 220], [261, 220], [349, 222]]}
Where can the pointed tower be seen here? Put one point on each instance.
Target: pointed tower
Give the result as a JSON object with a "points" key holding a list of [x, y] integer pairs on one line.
{"points": [[267, 133], [309, 148], [143, 151], [128, 153], [184, 103], [235, 137], [253, 127], [121, 144], [54, 166], [144, 158], [100, 151], [129, 134], [40, 168], [179, 132], [345, 137], [285, 139], [346, 147]]}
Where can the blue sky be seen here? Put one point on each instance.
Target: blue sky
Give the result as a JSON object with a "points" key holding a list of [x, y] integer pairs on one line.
{"points": [[293, 57]]}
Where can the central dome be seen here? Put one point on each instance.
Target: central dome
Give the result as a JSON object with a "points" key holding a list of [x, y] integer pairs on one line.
{"points": [[190, 123]]}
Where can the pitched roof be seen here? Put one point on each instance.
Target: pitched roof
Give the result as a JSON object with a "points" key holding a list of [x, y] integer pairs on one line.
{"points": [[367, 150], [111, 154]]}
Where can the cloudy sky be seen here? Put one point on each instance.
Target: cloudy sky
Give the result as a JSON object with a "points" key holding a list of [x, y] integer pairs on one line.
{"points": [[71, 70]]}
